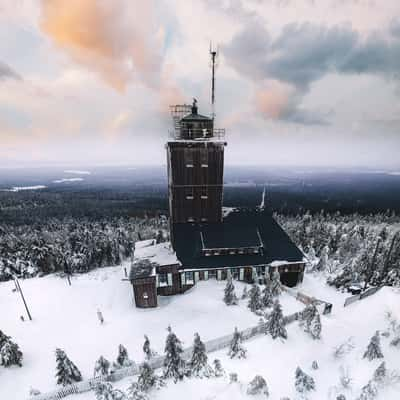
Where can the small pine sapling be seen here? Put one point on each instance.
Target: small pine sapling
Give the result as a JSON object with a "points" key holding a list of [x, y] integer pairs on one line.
{"points": [[258, 386], [245, 293], [314, 365], [369, 391], [275, 325], [236, 349], [102, 367], [380, 373], [233, 377], [66, 370], [230, 297], [122, 358], [303, 383], [149, 353], [374, 348], [198, 364], [174, 365]]}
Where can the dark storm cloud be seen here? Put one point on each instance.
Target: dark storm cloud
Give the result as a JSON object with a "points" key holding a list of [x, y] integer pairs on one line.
{"points": [[7, 72], [304, 53]]}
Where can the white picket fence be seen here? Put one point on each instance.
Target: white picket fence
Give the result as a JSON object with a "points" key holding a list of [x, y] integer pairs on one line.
{"points": [[156, 362]]}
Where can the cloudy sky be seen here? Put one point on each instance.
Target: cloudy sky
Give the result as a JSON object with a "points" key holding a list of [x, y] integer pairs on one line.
{"points": [[299, 82]]}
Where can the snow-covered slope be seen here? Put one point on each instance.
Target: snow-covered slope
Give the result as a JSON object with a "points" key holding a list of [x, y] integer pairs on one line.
{"points": [[65, 316]]}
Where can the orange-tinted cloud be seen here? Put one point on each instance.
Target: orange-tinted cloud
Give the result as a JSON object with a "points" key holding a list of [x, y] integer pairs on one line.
{"points": [[274, 99], [118, 39]]}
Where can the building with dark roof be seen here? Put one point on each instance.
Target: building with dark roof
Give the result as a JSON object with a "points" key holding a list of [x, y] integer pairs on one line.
{"points": [[207, 243]]}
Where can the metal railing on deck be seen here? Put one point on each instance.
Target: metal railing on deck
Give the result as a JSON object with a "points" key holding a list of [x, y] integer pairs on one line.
{"points": [[197, 134]]}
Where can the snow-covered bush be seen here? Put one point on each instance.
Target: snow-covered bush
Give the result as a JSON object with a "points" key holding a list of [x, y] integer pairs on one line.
{"points": [[344, 348], [258, 386], [218, 370], [147, 379], [122, 360], [102, 367], [105, 391], [303, 383], [66, 370]]}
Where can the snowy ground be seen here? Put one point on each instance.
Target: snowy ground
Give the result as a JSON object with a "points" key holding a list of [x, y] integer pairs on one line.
{"points": [[65, 316]]}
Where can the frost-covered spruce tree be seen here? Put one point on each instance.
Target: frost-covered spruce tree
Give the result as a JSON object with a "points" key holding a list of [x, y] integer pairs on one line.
{"points": [[374, 348], [10, 354], [245, 293], [102, 367], [275, 325], [122, 358], [66, 370], [258, 386], [198, 363], [3, 338], [254, 298], [218, 370], [229, 293], [310, 321], [105, 391], [267, 299], [236, 349], [303, 383], [149, 353], [174, 365], [276, 286]]}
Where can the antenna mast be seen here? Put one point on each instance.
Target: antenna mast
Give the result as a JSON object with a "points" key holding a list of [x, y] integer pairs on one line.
{"points": [[214, 65]]}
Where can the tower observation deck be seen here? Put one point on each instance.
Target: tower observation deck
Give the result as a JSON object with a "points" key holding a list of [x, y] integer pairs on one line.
{"points": [[195, 156]]}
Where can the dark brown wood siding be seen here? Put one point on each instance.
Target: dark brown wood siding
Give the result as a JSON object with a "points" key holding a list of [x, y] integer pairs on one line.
{"points": [[195, 181], [145, 292]]}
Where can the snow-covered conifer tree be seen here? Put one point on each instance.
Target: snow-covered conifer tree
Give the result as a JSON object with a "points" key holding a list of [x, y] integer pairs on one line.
{"points": [[374, 348], [10, 354], [245, 294], [198, 363], [66, 370], [102, 367], [218, 370], [229, 293], [147, 350], [258, 386], [255, 298], [275, 325], [276, 286], [303, 383], [236, 349], [174, 365], [267, 299], [310, 321]]}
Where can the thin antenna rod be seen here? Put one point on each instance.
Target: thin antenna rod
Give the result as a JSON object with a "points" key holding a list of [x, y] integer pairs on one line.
{"points": [[214, 55]]}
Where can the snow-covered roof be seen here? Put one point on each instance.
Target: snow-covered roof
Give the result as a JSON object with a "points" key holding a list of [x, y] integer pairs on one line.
{"points": [[160, 254]]}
